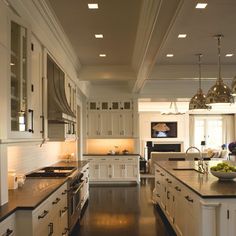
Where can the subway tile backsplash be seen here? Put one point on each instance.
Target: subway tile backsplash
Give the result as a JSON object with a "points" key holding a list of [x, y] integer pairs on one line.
{"points": [[25, 158]]}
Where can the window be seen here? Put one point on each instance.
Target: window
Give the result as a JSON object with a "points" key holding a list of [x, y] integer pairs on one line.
{"points": [[209, 129]]}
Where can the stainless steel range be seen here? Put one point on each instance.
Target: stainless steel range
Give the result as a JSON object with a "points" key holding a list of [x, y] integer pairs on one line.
{"points": [[74, 188], [53, 171]]}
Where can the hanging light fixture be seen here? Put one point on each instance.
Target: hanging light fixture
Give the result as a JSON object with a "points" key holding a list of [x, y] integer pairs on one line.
{"points": [[198, 101], [173, 110], [233, 87], [220, 93]]}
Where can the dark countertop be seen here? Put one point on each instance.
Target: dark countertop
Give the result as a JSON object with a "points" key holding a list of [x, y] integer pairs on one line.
{"points": [[205, 185], [35, 191], [113, 155]]}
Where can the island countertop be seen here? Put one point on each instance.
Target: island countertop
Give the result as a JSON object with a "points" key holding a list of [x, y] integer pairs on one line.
{"points": [[112, 155], [205, 185]]}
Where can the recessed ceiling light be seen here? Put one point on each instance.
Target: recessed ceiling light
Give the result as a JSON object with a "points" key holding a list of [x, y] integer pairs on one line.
{"points": [[182, 36], [102, 55], [229, 54], [169, 55], [98, 36], [92, 5], [201, 5]]}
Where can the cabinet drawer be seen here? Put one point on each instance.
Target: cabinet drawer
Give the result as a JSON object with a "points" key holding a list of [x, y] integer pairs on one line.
{"points": [[7, 227], [130, 159]]}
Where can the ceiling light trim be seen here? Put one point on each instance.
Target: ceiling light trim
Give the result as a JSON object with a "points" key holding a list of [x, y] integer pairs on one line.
{"points": [[92, 6], [201, 5]]}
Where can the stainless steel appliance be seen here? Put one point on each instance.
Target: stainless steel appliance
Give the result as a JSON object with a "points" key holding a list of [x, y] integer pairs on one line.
{"points": [[53, 171], [75, 193]]}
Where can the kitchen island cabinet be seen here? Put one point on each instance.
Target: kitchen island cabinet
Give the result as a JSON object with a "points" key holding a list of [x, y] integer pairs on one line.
{"points": [[195, 203], [113, 168]]}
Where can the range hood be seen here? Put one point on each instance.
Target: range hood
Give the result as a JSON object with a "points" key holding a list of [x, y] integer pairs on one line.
{"points": [[59, 110]]}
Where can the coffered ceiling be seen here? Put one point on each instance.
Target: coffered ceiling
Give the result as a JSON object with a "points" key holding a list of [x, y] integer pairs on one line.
{"points": [[137, 35]]}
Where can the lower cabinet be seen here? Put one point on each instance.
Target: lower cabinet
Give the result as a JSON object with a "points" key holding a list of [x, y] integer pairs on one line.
{"points": [[8, 227], [113, 168], [188, 213], [49, 218]]}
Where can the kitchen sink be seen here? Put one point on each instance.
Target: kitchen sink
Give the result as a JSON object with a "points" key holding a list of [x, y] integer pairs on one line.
{"points": [[186, 169]]}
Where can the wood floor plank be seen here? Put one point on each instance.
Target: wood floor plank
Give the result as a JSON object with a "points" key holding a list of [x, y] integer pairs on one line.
{"points": [[121, 211]]}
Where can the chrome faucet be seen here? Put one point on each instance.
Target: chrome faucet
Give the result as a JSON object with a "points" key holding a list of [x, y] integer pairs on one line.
{"points": [[200, 161]]}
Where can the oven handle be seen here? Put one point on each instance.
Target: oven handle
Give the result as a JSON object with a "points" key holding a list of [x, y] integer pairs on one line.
{"points": [[80, 186]]}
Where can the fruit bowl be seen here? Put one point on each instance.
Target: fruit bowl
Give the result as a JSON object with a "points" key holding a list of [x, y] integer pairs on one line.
{"points": [[224, 175]]}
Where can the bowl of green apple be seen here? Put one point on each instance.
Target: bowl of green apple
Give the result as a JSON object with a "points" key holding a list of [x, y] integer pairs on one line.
{"points": [[224, 171]]}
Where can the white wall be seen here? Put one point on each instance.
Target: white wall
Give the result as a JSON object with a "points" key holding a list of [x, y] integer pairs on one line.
{"points": [[25, 158], [145, 119]]}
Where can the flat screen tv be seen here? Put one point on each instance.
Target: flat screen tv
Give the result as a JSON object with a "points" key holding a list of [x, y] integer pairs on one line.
{"points": [[164, 129]]}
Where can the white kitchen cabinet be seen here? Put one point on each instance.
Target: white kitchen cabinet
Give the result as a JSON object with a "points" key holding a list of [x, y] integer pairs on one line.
{"points": [[126, 124], [102, 105], [93, 124], [8, 226], [109, 124], [110, 119], [113, 168], [21, 113], [49, 218]]}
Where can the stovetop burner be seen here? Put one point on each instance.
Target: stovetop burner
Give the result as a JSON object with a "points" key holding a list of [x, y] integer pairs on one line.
{"points": [[53, 171]]}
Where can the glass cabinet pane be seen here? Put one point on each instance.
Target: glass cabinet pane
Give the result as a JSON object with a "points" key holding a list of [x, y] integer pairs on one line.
{"points": [[18, 65]]}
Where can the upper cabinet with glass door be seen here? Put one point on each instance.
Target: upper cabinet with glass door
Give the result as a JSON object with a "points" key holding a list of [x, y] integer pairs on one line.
{"points": [[21, 117]]}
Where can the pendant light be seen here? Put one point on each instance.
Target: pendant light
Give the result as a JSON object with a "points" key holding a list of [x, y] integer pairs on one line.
{"points": [[198, 101], [233, 87], [173, 110], [220, 93]]}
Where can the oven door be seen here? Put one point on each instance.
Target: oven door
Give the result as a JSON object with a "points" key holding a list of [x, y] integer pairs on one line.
{"points": [[75, 200]]}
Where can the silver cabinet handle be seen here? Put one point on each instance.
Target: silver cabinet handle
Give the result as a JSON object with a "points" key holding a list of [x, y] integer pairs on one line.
{"points": [[31, 130]]}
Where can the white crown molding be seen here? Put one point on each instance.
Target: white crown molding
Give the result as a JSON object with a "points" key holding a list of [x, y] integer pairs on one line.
{"points": [[108, 73], [53, 23], [149, 10], [156, 19]]}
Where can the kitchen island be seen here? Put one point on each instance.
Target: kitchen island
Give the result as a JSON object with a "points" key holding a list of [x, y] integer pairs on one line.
{"points": [[195, 204], [119, 168]]}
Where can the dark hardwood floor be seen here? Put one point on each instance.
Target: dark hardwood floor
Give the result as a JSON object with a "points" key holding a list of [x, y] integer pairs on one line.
{"points": [[121, 211]]}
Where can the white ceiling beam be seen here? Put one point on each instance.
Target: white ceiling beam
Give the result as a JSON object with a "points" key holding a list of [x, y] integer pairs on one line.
{"points": [[156, 19], [191, 71], [114, 72]]}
